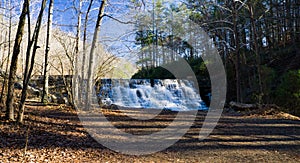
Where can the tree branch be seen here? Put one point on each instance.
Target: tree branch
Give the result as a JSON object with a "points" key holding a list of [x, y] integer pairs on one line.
{"points": [[120, 21]]}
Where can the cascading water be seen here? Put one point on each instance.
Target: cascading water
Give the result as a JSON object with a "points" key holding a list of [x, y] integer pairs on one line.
{"points": [[179, 95]]}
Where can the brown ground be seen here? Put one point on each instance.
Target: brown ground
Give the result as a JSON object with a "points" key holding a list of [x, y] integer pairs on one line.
{"points": [[55, 134]]}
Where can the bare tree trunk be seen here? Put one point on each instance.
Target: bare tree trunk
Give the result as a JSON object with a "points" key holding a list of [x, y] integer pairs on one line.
{"points": [[14, 61], [75, 79], [91, 56], [84, 50], [29, 68], [4, 86], [49, 35], [256, 49], [237, 52]]}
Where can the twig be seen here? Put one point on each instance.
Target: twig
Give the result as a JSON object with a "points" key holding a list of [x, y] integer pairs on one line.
{"points": [[26, 143]]}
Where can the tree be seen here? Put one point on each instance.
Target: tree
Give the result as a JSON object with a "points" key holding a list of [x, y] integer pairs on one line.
{"points": [[76, 78], [30, 57], [84, 50], [48, 40], [4, 85], [13, 66], [162, 34], [90, 74], [68, 45], [237, 49]]}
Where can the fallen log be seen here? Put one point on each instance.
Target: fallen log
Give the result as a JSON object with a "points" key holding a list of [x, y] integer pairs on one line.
{"points": [[242, 107]]}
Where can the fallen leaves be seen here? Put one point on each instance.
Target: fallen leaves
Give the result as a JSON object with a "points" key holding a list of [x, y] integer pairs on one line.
{"points": [[56, 135]]}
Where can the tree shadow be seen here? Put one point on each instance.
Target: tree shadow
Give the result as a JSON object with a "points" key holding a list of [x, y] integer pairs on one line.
{"points": [[58, 128]]}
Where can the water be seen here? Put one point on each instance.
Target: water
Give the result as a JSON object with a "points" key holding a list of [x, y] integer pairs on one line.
{"points": [[178, 95]]}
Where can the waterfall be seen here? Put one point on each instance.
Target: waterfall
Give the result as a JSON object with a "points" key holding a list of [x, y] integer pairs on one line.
{"points": [[179, 95]]}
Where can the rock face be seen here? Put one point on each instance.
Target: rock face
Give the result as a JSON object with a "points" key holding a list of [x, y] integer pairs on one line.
{"points": [[58, 98], [56, 92], [34, 91], [30, 89], [56, 87], [18, 85]]}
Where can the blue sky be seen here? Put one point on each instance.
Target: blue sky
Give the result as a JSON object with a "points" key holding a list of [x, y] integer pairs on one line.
{"points": [[112, 33], [118, 38]]}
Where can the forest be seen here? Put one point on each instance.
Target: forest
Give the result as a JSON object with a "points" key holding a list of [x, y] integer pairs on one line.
{"points": [[258, 42], [53, 53]]}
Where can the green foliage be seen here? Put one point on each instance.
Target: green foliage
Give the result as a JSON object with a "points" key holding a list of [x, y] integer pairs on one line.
{"points": [[280, 89], [288, 92], [153, 73], [268, 81], [197, 65]]}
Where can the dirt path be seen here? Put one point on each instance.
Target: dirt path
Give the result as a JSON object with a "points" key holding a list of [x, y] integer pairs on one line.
{"points": [[55, 134]]}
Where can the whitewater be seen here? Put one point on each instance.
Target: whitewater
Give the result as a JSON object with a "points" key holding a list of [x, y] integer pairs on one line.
{"points": [[173, 94]]}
